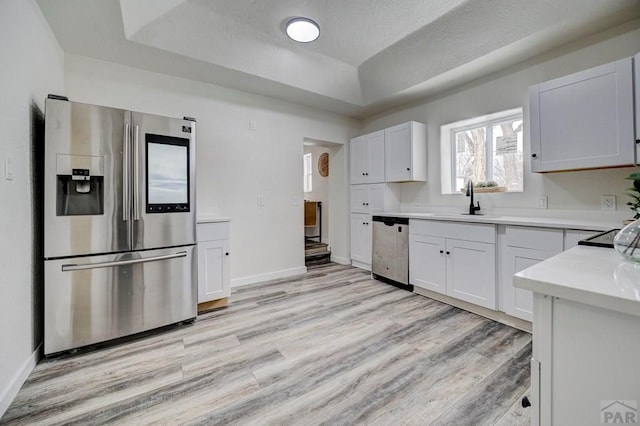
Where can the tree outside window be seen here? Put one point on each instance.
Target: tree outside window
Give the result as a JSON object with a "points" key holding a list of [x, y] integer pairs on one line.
{"points": [[487, 148]]}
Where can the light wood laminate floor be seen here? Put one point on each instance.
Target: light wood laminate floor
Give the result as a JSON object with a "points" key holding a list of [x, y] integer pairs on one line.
{"points": [[333, 347]]}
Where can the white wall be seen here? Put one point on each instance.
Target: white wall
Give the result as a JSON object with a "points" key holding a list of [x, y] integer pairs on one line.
{"points": [[31, 67], [235, 165], [320, 190], [567, 192]]}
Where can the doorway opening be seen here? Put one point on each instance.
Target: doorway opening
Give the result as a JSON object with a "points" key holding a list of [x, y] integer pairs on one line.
{"points": [[316, 159]]}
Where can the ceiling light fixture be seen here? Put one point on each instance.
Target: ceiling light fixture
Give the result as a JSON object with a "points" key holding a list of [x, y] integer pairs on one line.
{"points": [[303, 30]]}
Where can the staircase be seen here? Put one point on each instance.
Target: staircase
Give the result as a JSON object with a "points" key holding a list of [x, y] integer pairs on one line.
{"points": [[316, 253]]}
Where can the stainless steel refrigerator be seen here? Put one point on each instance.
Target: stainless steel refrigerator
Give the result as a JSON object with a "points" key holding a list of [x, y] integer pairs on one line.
{"points": [[119, 223]]}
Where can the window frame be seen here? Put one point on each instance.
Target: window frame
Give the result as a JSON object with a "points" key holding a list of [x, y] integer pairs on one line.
{"points": [[307, 172], [448, 145]]}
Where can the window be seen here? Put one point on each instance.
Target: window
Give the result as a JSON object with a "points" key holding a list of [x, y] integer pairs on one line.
{"points": [[308, 173], [486, 148]]}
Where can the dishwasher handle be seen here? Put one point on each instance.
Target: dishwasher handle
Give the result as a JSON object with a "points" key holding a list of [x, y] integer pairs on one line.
{"points": [[391, 221]]}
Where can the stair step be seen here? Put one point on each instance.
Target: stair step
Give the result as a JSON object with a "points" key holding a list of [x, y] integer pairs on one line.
{"points": [[317, 259]]}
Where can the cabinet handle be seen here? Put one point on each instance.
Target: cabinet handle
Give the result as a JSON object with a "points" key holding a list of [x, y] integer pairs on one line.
{"points": [[408, 169], [226, 254], [441, 251], [366, 204], [448, 252], [534, 155], [362, 174], [637, 140], [525, 402], [366, 174]]}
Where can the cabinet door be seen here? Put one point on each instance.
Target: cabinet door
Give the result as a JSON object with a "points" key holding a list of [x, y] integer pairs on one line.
{"points": [[360, 198], [375, 157], [471, 272], [213, 270], [361, 238], [519, 302], [358, 160], [398, 153], [427, 262], [376, 194], [584, 120]]}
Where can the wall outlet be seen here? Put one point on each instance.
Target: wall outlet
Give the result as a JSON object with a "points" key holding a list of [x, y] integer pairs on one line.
{"points": [[260, 201], [419, 201], [542, 202], [608, 202], [295, 201], [252, 125]]}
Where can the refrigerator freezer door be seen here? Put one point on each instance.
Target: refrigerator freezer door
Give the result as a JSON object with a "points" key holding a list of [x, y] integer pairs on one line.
{"points": [[99, 298], [163, 203], [84, 180]]}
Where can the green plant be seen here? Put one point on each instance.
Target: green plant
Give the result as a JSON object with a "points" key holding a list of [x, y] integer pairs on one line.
{"points": [[634, 193], [492, 184]]}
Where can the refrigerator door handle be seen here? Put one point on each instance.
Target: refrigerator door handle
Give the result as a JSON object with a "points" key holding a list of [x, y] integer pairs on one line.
{"points": [[82, 267], [126, 165], [136, 173]]}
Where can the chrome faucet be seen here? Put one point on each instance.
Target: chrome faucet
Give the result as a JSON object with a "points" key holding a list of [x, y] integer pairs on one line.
{"points": [[469, 193]]}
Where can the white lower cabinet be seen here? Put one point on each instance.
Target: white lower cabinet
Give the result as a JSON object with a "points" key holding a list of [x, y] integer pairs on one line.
{"points": [[456, 259], [588, 364], [471, 272], [361, 239], [213, 261], [427, 262], [524, 247]]}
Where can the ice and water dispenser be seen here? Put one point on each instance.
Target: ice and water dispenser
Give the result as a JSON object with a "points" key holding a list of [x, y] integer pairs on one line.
{"points": [[80, 185]]}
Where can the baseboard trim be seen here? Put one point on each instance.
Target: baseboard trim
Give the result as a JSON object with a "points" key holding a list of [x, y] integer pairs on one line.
{"points": [[341, 260], [253, 279], [498, 316], [11, 390], [365, 266]]}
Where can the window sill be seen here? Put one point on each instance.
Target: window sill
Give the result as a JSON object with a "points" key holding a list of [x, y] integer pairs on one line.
{"points": [[485, 190]]}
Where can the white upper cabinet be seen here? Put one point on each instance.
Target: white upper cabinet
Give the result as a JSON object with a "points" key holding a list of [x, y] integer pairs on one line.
{"points": [[406, 152], [583, 120], [367, 158]]}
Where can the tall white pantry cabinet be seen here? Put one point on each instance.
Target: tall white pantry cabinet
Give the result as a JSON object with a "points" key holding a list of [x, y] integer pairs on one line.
{"points": [[378, 161]]}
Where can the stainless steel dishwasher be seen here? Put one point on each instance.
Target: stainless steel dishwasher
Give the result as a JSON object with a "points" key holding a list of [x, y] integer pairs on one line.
{"points": [[390, 257]]}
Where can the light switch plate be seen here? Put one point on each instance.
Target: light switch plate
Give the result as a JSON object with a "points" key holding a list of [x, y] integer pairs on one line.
{"points": [[9, 168]]}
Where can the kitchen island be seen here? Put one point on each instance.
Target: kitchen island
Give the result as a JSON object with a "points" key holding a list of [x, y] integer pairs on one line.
{"points": [[586, 337]]}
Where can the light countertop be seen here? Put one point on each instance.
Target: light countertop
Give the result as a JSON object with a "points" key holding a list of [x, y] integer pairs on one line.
{"points": [[591, 275], [544, 222]]}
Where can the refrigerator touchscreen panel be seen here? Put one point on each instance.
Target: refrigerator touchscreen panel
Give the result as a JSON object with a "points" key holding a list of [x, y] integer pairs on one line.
{"points": [[167, 174]]}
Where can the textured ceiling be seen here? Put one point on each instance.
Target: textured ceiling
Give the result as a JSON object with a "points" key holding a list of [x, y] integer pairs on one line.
{"points": [[371, 55]]}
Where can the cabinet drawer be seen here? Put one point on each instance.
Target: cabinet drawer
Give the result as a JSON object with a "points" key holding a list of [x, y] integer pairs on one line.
{"points": [[480, 232], [535, 238], [212, 231]]}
